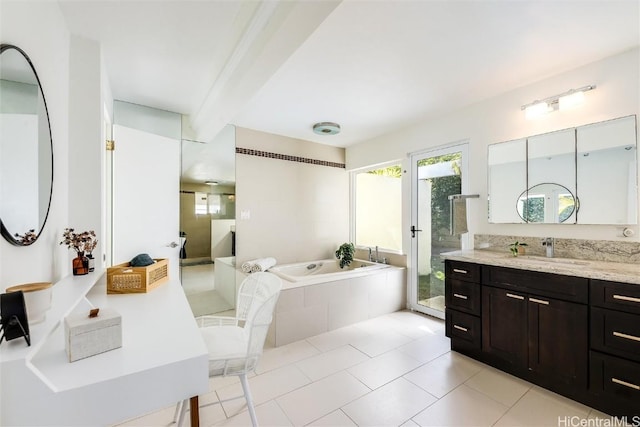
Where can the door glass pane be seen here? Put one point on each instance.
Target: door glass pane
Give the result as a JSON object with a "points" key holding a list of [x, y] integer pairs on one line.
{"points": [[438, 178]]}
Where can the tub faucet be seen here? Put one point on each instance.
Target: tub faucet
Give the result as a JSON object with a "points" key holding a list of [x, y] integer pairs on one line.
{"points": [[370, 258], [377, 256], [548, 243]]}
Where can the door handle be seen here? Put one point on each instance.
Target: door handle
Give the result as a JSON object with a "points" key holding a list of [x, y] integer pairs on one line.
{"points": [[514, 296], [173, 245], [460, 296], [413, 231]]}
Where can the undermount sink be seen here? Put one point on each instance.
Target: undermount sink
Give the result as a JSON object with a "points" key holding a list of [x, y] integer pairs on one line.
{"points": [[565, 261]]}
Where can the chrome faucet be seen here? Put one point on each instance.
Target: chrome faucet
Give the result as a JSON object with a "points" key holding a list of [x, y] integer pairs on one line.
{"points": [[549, 244], [370, 258], [377, 256]]}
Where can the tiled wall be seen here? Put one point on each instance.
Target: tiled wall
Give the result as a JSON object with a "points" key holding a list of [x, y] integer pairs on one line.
{"points": [[292, 198], [595, 250]]}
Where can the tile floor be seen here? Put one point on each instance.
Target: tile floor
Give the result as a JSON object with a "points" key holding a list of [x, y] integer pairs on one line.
{"points": [[394, 370]]}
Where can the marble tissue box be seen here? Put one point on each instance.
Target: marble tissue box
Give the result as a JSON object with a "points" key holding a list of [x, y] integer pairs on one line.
{"points": [[87, 336]]}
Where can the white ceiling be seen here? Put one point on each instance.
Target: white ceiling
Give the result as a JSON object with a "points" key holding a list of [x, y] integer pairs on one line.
{"points": [[371, 66]]}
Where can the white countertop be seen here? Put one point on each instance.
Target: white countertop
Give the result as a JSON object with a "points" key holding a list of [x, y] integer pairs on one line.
{"points": [[163, 360], [602, 270]]}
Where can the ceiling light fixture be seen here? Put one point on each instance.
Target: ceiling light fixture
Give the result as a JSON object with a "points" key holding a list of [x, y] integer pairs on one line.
{"points": [[326, 128], [563, 101]]}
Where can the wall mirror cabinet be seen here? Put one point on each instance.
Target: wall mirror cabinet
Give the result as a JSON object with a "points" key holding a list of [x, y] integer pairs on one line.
{"points": [[583, 175], [26, 152]]}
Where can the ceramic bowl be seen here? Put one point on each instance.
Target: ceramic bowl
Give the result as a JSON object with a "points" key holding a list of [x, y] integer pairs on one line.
{"points": [[37, 299]]}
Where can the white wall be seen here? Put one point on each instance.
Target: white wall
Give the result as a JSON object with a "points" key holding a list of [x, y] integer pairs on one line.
{"points": [[40, 30], [86, 148], [298, 211], [500, 119]]}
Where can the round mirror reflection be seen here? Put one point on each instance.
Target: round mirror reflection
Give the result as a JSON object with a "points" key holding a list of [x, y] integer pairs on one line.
{"points": [[26, 152], [546, 203]]}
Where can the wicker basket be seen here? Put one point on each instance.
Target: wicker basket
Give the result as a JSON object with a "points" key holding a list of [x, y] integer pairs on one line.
{"points": [[124, 279]]}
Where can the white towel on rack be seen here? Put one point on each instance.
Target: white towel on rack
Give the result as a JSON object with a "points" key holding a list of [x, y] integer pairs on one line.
{"points": [[459, 216]]}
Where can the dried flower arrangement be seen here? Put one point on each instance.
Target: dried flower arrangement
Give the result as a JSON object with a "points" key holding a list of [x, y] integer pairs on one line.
{"points": [[80, 242], [27, 238]]}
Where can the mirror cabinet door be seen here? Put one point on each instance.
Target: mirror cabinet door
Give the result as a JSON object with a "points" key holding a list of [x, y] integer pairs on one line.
{"points": [[607, 172], [551, 178], [507, 179], [26, 155]]}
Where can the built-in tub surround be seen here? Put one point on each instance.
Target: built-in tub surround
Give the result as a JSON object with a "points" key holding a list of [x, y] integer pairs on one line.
{"points": [[583, 249], [307, 308]]}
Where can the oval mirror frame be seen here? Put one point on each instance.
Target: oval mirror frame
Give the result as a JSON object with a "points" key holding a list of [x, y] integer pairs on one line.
{"points": [[564, 211], [31, 235]]}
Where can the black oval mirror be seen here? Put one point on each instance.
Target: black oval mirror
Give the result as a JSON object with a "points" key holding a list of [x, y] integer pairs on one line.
{"points": [[546, 203], [26, 150]]}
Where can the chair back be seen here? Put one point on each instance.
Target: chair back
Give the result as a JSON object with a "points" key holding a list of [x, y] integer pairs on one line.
{"points": [[246, 293], [266, 290]]}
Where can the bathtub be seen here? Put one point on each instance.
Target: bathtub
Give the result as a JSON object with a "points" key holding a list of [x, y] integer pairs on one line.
{"points": [[324, 270], [319, 296]]}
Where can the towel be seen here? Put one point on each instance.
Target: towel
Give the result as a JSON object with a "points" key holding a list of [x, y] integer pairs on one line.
{"points": [[260, 264], [246, 266], [458, 216]]}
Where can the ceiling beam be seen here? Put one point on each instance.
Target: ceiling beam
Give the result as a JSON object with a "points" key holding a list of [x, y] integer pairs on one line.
{"points": [[273, 33]]}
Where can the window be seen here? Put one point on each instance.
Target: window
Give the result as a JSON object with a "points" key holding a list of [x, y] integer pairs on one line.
{"points": [[378, 207]]}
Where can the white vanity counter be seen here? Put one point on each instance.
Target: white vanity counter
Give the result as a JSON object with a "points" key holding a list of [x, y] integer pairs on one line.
{"points": [[602, 270], [162, 360]]}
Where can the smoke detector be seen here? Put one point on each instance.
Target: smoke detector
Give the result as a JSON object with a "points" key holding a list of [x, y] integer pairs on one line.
{"points": [[326, 128]]}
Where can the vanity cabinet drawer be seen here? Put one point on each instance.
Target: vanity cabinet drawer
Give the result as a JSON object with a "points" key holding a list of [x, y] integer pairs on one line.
{"points": [[465, 271], [617, 296], [567, 288], [463, 296], [617, 382], [616, 333], [464, 327]]}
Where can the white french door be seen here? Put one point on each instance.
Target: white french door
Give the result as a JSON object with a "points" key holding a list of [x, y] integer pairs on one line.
{"points": [[146, 188], [435, 174]]}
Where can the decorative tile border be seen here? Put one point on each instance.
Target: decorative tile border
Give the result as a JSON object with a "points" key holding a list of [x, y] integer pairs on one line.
{"points": [[289, 158]]}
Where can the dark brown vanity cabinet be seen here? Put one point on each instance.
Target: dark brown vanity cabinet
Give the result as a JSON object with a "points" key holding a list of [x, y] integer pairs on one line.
{"points": [[576, 336], [527, 326], [615, 346], [462, 300]]}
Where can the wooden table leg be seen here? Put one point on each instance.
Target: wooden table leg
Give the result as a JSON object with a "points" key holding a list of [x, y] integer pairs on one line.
{"points": [[195, 412]]}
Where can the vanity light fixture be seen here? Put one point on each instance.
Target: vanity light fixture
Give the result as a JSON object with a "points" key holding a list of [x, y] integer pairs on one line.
{"points": [[563, 101], [326, 128], [211, 182]]}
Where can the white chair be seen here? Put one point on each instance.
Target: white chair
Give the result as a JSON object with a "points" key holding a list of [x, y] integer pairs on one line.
{"points": [[235, 343]]}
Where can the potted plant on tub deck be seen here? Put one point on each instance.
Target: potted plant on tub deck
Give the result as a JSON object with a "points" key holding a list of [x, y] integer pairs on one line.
{"points": [[345, 254]]}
